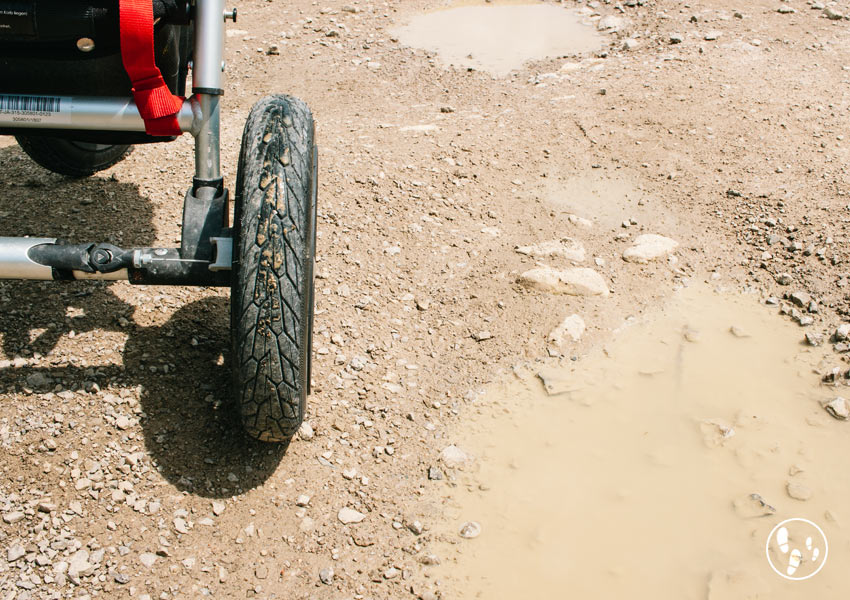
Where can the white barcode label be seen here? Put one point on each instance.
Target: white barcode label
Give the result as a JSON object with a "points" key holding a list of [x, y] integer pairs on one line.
{"points": [[20, 110]]}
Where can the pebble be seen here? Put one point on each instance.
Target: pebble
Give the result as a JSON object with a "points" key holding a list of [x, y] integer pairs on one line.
{"points": [[649, 246], [578, 281], [752, 506], [435, 474], [566, 248], [738, 332], [481, 336], [610, 23], [453, 457], [801, 299], [347, 516], [79, 564], [712, 35], [14, 552], [326, 575], [305, 432], [842, 332], [302, 500], [783, 278], [470, 530], [218, 508], [13, 517], [785, 10], [676, 38], [122, 422], [715, 432], [832, 14], [798, 491], [837, 407], [416, 527], [814, 339], [147, 558]]}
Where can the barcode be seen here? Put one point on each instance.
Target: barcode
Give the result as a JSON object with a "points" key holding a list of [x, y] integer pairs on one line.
{"points": [[30, 103]]}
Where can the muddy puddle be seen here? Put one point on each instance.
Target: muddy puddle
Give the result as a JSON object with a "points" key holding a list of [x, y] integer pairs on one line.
{"points": [[658, 468], [500, 37]]}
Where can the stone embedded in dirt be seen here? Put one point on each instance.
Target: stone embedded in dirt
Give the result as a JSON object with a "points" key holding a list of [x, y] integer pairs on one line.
{"points": [[738, 332], [180, 525], [122, 422], [649, 246], [326, 575], [610, 23], [572, 327], [842, 332], [691, 335], [13, 517], [814, 339], [837, 407], [832, 14], [481, 336], [147, 558], [348, 516], [218, 507], [783, 278], [798, 491], [786, 10], [676, 38], [801, 299], [752, 506], [453, 457], [555, 383], [470, 529], [435, 474], [416, 527], [302, 500], [580, 221], [79, 564], [567, 248], [14, 552], [712, 35], [38, 380], [273, 50], [577, 281], [715, 432]]}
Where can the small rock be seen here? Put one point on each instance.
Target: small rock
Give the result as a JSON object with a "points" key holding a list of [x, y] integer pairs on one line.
{"points": [[482, 336], [785, 10], [578, 281], [218, 508], [38, 380], [712, 35], [753, 506], [326, 575], [305, 432], [453, 457], [391, 573], [783, 278], [567, 248], [572, 327], [814, 339], [801, 299], [13, 517], [738, 332], [120, 578], [837, 407], [14, 552], [122, 422], [415, 527], [79, 564], [715, 432], [470, 529], [147, 558], [273, 50], [649, 246], [347, 516], [181, 526], [435, 474], [610, 23], [832, 14], [676, 38], [798, 491], [842, 333], [302, 500]]}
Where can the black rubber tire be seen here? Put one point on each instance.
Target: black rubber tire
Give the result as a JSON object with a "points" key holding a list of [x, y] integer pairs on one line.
{"points": [[273, 256], [69, 157]]}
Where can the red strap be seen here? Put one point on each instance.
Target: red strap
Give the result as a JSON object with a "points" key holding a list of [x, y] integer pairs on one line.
{"points": [[157, 106]]}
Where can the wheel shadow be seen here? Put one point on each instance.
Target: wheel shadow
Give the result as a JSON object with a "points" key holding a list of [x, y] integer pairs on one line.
{"points": [[190, 426]]}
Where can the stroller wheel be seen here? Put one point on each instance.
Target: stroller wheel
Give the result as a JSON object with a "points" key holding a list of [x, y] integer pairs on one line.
{"points": [[69, 157], [273, 255]]}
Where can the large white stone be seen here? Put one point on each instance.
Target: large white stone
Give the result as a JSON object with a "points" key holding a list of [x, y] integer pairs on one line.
{"points": [[649, 246], [452, 456], [347, 516], [577, 281], [565, 248]]}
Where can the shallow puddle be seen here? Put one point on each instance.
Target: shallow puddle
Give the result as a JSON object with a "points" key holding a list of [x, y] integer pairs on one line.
{"points": [[659, 467], [499, 38]]}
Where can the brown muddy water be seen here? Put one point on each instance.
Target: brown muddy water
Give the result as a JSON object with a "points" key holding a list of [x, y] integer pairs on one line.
{"points": [[658, 466], [499, 38]]}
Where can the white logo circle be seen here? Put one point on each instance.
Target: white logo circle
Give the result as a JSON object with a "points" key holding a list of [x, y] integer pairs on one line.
{"points": [[796, 549]]}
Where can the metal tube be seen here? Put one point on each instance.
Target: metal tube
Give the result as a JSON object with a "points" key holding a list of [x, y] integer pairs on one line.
{"points": [[15, 263], [101, 113], [207, 84]]}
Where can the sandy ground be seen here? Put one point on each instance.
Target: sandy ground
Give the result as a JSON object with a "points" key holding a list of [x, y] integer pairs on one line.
{"points": [[124, 471]]}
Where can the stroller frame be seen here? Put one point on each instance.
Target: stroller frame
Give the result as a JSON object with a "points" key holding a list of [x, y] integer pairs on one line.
{"points": [[205, 255]]}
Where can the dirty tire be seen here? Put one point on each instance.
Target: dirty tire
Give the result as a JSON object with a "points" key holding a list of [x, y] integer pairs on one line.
{"points": [[272, 284], [69, 157]]}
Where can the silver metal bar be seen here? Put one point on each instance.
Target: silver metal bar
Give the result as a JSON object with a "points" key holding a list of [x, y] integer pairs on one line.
{"points": [[206, 85], [101, 113], [15, 263]]}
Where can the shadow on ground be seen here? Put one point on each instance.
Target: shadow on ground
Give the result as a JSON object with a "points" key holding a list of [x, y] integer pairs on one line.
{"points": [[190, 427]]}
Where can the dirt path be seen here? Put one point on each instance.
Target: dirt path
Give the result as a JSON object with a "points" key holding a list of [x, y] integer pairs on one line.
{"points": [[123, 472]]}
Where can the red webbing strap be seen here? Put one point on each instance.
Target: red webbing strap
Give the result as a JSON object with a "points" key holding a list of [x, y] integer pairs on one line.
{"points": [[157, 106]]}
